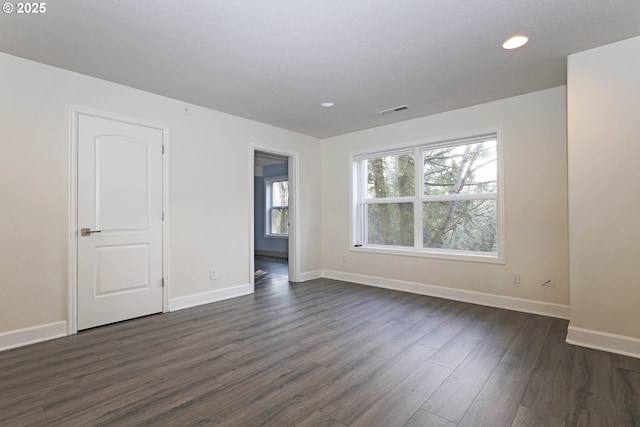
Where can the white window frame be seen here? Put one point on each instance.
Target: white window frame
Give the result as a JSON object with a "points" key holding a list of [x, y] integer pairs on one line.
{"points": [[268, 182], [359, 200]]}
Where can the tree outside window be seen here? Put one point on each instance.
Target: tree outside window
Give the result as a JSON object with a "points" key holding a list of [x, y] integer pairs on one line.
{"points": [[440, 197]]}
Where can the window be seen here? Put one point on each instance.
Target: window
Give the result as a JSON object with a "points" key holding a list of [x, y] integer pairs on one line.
{"points": [[437, 199], [277, 206]]}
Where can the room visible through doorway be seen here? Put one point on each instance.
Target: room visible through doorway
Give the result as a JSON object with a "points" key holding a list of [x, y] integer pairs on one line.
{"points": [[271, 217]]}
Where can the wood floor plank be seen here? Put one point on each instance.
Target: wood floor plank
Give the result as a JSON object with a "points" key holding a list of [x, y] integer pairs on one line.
{"points": [[499, 399], [352, 402], [423, 418], [33, 380], [548, 391], [262, 410], [353, 347], [319, 419], [99, 400], [293, 350], [454, 323], [35, 398], [456, 394], [418, 309], [295, 411], [287, 403], [318, 353], [414, 332], [626, 362], [22, 416], [526, 417], [323, 352], [399, 405], [114, 370], [458, 348], [580, 417], [593, 389], [505, 332], [391, 348], [198, 398], [627, 396]]}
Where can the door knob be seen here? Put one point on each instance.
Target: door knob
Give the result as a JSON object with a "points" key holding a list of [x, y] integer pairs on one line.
{"points": [[87, 231]]}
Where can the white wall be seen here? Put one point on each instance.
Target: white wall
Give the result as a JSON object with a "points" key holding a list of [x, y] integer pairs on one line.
{"points": [[604, 194], [535, 197], [210, 180]]}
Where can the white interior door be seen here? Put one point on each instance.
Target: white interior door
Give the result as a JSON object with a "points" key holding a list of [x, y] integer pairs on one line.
{"points": [[120, 209]]}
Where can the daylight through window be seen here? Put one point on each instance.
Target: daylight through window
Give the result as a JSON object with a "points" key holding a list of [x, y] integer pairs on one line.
{"points": [[277, 192], [440, 198]]}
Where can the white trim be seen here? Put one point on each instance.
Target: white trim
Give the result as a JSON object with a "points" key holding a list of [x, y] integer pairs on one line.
{"points": [[311, 275], [358, 198], [510, 303], [434, 141], [620, 344], [252, 202], [271, 254], [32, 335], [293, 158], [72, 214], [488, 258], [72, 194], [208, 297], [268, 196], [165, 222]]}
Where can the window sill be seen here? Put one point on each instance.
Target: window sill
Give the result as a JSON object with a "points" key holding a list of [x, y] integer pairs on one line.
{"points": [[276, 236], [492, 258]]}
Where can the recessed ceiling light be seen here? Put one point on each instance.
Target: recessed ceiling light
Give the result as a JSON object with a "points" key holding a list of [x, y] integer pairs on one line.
{"points": [[327, 104], [515, 42]]}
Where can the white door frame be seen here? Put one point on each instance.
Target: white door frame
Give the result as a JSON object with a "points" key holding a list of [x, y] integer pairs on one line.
{"points": [[72, 231], [293, 158]]}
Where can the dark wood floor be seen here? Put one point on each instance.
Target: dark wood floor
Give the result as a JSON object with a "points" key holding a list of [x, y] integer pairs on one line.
{"points": [[321, 353]]}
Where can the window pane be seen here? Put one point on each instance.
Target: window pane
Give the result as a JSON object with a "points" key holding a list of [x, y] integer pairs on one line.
{"points": [[466, 225], [390, 224], [280, 193], [462, 169], [280, 221], [390, 176]]}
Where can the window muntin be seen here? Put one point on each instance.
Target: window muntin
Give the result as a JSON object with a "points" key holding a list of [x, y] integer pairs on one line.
{"points": [[277, 206], [447, 203]]}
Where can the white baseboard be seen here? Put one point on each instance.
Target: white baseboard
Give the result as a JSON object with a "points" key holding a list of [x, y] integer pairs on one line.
{"points": [[32, 335], [510, 303], [194, 300], [310, 275], [271, 254], [620, 344]]}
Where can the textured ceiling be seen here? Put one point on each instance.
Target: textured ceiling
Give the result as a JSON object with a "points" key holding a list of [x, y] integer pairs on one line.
{"points": [[274, 61]]}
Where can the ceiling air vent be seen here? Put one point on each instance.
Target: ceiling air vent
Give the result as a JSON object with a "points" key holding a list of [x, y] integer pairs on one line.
{"points": [[393, 110]]}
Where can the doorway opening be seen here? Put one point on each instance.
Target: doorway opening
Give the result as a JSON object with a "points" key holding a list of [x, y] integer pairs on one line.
{"points": [[272, 219], [282, 213]]}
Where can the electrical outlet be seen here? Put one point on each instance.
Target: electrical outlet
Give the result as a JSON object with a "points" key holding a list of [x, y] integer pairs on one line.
{"points": [[213, 274], [549, 282], [515, 278]]}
